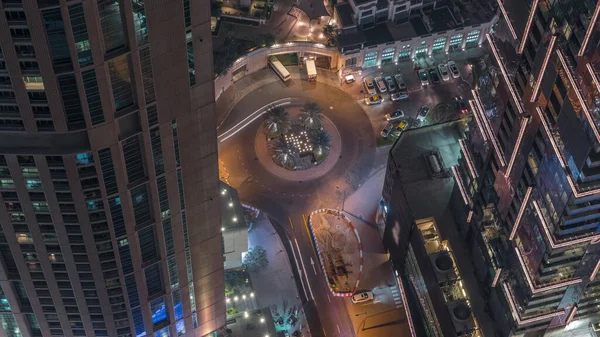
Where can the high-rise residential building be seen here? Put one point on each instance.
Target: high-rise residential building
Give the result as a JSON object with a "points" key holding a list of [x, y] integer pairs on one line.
{"points": [[529, 173], [109, 190]]}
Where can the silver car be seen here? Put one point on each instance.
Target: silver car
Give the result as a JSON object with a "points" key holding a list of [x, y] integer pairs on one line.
{"points": [[369, 85], [380, 84]]}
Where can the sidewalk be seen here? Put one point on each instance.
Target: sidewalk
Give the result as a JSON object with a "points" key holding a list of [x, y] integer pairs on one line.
{"points": [[274, 286]]}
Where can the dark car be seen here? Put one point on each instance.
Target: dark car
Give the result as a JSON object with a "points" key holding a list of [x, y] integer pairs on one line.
{"points": [[433, 74], [463, 107]]}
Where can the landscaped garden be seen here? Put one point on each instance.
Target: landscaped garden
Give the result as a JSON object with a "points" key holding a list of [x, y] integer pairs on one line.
{"points": [[297, 139]]}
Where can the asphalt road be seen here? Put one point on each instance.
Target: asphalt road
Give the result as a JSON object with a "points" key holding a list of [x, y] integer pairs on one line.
{"points": [[286, 201]]}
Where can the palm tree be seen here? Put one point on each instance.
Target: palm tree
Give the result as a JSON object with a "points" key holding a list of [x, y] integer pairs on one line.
{"points": [[311, 115], [320, 141], [277, 121], [283, 153]]}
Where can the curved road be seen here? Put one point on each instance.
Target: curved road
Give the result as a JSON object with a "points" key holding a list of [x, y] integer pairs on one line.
{"points": [[287, 201]]}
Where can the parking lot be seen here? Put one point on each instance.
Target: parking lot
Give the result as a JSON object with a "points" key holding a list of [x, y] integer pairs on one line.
{"points": [[431, 95]]}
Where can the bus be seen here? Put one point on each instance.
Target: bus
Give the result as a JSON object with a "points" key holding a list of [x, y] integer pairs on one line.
{"points": [[311, 70], [279, 69]]}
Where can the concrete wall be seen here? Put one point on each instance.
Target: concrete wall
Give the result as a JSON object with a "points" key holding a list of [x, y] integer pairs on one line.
{"points": [[257, 60]]}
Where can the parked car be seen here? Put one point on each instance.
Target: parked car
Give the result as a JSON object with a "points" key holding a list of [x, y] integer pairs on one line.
{"points": [[389, 82], [374, 99], [369, 85], [349, 79], [394, 116], [402, 89], [462, 105], [387, 130], [422, 114], [400, 127], [444, 72], [362, 297], [433, 74], [380, 84], [424, 77], [453, 69]]}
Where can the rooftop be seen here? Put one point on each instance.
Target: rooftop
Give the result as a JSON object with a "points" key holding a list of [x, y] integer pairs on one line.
{"points": [[377, 35], [345, 14]]}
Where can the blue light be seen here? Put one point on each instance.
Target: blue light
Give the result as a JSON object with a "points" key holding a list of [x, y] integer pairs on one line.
{"points": [[159, 310]]}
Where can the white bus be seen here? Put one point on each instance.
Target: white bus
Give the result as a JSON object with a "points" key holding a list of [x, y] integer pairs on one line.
{"points": [[311, 70], [279, 69]]}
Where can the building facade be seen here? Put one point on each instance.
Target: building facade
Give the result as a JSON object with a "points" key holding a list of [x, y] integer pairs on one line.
{"points": [[109, 190], [379, 32], [528, 178]]}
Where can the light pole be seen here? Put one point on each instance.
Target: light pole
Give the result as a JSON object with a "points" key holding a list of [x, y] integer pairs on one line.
{"points": [[363, 321]]}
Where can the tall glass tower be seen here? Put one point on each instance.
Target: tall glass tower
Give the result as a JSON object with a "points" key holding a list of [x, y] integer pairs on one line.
{"points": [[529, 177], [109, 183]]}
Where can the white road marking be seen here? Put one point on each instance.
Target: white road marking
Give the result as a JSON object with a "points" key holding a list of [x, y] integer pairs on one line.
{"points": [[262, 111], [299, 269], [303, 267], [313, 265], [328, 298], [339, 331]]}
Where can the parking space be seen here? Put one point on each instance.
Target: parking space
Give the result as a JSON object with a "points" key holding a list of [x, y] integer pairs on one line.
{"points": [[431, 95]]}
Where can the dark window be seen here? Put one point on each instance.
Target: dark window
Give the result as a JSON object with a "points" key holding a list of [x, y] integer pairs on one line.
{"points": [[80, 35], [93, 96], [148, 244], [153, 280], [133, 159], [152, 115], [157, 155], [112, 26], [147, 77], [187, 13], [132, 292], [116, 214], [71, 102], [121, 82], [168, 234], [190, 52], [141, 207], [139, 22], [108, 171], [138, 322], [57, 39], [163, 196], [180, 187], [186, 241], [175, 141]]}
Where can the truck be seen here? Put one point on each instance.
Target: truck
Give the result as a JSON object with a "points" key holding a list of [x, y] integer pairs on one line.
{"points": [[311, 69]]}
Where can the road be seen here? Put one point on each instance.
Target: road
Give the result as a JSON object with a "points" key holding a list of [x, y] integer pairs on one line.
{"points": [[287, 201]]}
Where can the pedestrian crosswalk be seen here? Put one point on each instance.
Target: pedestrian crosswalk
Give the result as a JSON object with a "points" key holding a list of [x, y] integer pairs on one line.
{"points": [[396, 296]]}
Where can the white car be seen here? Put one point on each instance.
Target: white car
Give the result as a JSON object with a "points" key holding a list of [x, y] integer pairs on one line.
{"points": [[424, 77], [349, 79], [380, 84], [444, 72], [402, 90], [453, 69], [362, 297], [369, 85], [394, 116]]}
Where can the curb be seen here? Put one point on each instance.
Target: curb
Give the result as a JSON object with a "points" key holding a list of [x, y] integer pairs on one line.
{"points": [[360, 249]]}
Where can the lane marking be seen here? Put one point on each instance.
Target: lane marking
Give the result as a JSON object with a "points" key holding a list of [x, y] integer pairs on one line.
{"points": [[253, 116], [313, 265], [338, 326], [324, 333], [304, 267], [299, 269], [328, 297]]}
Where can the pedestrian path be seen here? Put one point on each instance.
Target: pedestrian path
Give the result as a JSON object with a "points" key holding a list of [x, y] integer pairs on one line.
{"points": [[396, 296]]}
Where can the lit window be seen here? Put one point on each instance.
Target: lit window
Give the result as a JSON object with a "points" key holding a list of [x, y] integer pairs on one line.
{"points": [[159, 310], [33, 82]]}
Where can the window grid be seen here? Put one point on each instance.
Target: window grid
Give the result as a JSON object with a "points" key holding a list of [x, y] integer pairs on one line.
{"points": [[153, 280], [163, 196], [133, 158], [148, 247], [147, 76], [175, 141], [188, 265], [112, 25], [141, 206], [125, 257], [186, 240], [108, 171], [132, 292], [139, 22], [120, 78], [80, 35], [173, 274], [168, 234], [138, 322], [180, 187], [57, 40], [71, 102], [92, 93], [157, 155], [190, 52]]}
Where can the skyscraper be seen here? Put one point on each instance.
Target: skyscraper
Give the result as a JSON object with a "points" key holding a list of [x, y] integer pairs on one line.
{"points": [[528, 178], [108, 170]]}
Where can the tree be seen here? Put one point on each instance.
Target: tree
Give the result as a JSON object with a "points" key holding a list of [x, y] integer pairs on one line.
{"points": [[283, 153], [256, 259], [320, 141], [311, 115], [264, 40], [441, 113], [331, 33], [277, 121]]}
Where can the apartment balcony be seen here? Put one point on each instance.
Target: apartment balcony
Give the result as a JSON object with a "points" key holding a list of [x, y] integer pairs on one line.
{"points": [[571, 254]]}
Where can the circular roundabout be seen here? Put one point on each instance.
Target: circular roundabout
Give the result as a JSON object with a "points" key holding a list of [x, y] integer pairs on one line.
{"points": [[297, 139]]}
